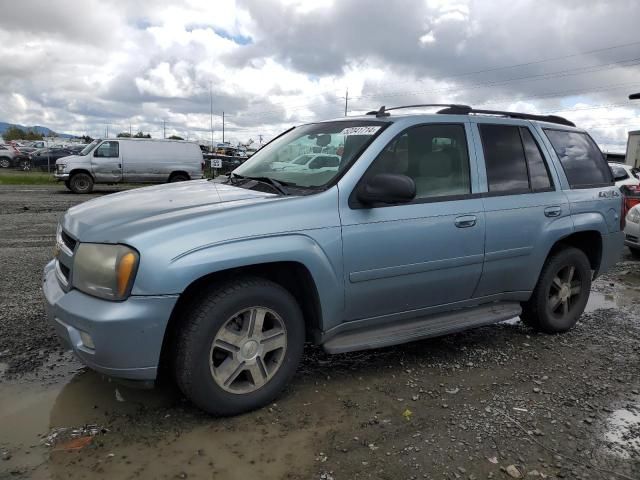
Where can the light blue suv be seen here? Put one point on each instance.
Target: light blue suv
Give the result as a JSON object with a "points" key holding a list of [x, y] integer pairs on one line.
{"points": [[419, 225]]}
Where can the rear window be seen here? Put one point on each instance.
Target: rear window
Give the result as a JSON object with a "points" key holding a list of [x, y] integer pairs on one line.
{"points": [[581, 159]]}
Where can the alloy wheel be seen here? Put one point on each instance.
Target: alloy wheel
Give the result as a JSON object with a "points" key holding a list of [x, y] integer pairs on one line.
{"points": [[564, 291], [248, 350]]}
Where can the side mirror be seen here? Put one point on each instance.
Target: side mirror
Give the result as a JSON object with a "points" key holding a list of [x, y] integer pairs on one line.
{"points": [[387, 188]]}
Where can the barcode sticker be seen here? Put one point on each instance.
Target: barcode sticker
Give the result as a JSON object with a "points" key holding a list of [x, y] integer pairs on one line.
{"points": [[370, 130]]}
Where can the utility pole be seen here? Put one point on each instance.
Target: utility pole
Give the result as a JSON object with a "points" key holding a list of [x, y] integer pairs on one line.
{"points": [[223, 127], [211, 113], [129, 128], [346, 102], [164, 129]]}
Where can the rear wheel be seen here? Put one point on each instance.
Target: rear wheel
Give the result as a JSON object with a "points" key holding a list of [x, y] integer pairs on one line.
{"points": [[178, 177], [81, 183], [5, 162], [239, 346], [561, 294]]}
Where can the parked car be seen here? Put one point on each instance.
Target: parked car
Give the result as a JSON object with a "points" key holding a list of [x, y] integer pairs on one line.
{"points": [[9, 156], [45, 159], [432, 224], [632, 231], [624, 174], [311, 161], [131, 160]]}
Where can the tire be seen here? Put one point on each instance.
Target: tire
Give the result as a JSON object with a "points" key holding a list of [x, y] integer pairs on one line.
{"points": [[5, 162], [554, 306], [635, 252], [178, 177], [81, 183], [224, 368]]}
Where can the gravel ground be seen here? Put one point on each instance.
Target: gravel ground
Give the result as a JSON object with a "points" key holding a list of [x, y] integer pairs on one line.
{"points": [[495, 402]]}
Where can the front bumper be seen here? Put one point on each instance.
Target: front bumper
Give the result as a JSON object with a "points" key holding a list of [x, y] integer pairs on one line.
{"points": [[61, 176], [632, 235], [127, 336]]}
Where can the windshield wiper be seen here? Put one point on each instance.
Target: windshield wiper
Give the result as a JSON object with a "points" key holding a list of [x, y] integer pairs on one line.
{"points": [[275, 184]]}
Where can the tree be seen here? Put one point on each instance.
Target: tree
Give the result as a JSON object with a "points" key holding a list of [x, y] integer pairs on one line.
{"points": [[142, 135], [175, 137], [86, 139], [123, 135], [15, 133]]}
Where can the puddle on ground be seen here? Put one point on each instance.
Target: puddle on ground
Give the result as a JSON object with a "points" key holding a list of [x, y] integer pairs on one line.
{"points": [[622, 435], [89, 424]]}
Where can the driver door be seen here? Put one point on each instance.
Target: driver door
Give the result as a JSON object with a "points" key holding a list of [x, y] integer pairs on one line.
{"points": [[107, 162]]}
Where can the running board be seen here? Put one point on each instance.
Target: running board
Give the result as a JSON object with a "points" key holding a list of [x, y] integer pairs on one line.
{"points": [[394, 333]]}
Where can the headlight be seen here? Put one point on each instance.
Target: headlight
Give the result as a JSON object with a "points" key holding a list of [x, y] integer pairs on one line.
{"points": [[61, 167], [105, 271], [634, 215]]}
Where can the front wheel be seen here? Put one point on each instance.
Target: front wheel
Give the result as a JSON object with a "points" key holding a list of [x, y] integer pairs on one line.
{"points": [[5, 162], [81, 183], [561, 294], [239, 346]]}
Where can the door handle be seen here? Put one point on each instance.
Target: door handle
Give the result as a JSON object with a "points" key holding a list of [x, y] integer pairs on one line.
{"points": [[466, 221], [552, 211]]}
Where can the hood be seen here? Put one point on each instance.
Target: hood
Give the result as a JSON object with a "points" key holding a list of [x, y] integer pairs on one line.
{"points": [[114, 217], [68, 158]]}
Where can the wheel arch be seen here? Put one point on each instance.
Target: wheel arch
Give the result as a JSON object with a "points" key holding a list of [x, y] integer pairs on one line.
{"points": [[178, 172], [293, 276], [81, 170], [588, 241]]}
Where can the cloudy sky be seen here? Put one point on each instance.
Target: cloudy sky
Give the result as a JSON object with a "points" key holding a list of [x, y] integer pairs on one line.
{"points": [[80, 66]]}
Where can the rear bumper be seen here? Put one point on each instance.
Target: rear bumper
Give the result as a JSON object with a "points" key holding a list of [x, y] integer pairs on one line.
{"points": [[612, 246], [127, 336]]}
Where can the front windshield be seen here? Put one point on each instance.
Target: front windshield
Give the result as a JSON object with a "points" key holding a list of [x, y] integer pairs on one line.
{"points": [[89, 147], [305, 149]]}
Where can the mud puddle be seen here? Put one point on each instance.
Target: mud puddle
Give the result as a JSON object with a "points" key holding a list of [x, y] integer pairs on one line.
{"points": [[622, 435], [83, 423]]}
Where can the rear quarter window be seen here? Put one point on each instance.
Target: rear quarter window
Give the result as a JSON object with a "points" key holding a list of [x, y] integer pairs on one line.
{"points": [[581, 159]]}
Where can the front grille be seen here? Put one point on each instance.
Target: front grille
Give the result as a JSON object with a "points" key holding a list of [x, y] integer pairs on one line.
{"points": [[632, 238], [69, 242]]}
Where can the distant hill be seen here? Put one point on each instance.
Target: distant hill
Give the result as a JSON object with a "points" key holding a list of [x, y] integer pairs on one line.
{"points": [[43, 130]]}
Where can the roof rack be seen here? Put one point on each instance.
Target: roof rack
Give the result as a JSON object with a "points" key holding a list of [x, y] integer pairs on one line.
{"points": [[454, 109]]}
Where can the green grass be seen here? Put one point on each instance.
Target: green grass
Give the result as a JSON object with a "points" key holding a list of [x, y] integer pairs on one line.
{"points": [[8, 177]]}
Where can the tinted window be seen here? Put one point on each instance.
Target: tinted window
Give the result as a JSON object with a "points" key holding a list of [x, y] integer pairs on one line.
{"points": [[434, 156], [538, 171], [108, 150], [504, 158], [580, 157]]}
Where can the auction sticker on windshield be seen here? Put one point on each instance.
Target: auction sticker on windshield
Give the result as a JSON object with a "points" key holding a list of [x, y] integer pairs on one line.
{"points": [[370, 130]]}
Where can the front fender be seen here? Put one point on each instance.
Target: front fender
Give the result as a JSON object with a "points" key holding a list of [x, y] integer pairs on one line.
{"points": [[318, 250]]}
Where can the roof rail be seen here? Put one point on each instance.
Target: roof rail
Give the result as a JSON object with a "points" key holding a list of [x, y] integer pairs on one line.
{"points": [[455, 109], [382, 111]]}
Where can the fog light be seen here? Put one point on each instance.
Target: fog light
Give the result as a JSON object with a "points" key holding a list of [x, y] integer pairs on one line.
{"points": [[87, 341]]}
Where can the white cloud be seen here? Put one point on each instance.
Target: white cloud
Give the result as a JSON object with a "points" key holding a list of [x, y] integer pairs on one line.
{"points": [[80, 65]]}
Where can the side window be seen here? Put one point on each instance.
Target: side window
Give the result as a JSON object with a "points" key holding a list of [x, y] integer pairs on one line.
{"points": [[504, 158], [107, 150], [581, 159], [435, 156], [538, 169]]}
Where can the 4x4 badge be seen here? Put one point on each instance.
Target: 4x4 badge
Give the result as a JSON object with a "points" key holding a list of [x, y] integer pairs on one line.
{"points": [[609, 194]]}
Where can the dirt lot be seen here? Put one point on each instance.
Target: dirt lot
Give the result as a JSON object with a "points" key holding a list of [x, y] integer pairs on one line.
{"points": [[496, 402]]}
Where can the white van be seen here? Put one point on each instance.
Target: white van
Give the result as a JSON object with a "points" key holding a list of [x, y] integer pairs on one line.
{"points": [[130, 160]]}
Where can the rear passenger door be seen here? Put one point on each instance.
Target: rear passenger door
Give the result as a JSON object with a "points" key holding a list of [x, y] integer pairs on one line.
{"points": [[524, 207]]}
